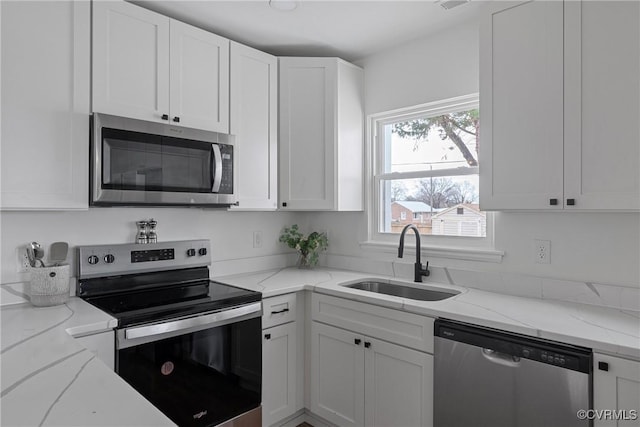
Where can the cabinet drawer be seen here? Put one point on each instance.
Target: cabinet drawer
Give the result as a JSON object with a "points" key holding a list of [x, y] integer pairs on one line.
{"points": [[278, 310], [399, 327]]}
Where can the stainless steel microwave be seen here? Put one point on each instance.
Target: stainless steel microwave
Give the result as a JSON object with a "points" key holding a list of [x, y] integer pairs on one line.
{"points": [[134, 162]]}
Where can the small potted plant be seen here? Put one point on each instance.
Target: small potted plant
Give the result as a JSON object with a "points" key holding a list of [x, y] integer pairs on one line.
{"points": [[307, 247]]}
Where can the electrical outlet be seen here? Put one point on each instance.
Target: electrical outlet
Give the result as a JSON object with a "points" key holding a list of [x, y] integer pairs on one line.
{"points": [[22, 260], [542, 251], [257, 239]]}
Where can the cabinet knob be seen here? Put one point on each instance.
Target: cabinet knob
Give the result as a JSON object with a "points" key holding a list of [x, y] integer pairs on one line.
{"points": [[553, 202], [284, 204], [367, 344], [571, 202], [603, 366], [357, 341], [267, 336], [165, 117], [176, 119]]}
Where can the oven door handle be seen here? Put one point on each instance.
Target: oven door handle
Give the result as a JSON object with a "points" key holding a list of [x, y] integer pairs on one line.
{"points": [[205, 321], [217, 168]]}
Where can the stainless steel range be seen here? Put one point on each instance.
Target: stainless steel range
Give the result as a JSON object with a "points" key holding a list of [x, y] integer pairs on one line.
{"points": [[190, 345]]}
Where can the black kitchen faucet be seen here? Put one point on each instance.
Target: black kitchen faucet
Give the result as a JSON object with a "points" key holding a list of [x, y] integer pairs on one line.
{"points": [[419, 271]]}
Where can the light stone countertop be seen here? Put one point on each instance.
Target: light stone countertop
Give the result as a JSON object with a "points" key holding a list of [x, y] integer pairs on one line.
{"points": [[607, 330], [48, 378]]}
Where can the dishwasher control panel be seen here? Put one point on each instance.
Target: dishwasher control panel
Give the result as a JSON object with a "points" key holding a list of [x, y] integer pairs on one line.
{"points": [[511, 346]]}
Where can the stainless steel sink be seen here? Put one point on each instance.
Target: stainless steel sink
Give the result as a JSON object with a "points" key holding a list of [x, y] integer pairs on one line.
{"points": [[403, 291]]}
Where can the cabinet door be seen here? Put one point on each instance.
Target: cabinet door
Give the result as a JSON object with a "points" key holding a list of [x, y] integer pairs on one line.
{"points": [[337, 375], [616, 389], [521, 103], [254, 122], [398, 386], [307, 133], [279, 367], [199, 81], [45, 105], [130, 61], [602, 90]]}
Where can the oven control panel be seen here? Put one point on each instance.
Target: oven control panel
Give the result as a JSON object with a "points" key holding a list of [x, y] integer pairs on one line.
{"points": [[153, 255], [110, 260]]}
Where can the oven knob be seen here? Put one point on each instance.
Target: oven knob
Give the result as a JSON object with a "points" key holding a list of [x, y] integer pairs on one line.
{"points": [[108, 258], [191, 252], [93, 259], [202, 251]]}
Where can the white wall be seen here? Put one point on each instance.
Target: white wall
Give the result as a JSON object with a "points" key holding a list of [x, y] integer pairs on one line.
{"points": [[597, 247], [439, 67], [231, 233]]}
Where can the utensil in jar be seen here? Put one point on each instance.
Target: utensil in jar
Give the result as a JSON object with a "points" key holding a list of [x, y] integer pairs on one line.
{"points": [[38, 252], [31, 255], [58, 253]]}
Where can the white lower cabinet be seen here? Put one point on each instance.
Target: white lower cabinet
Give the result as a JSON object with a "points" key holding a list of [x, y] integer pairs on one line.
{"points": [[282, 357], [616, 388], [398, 386], [360, 380], [337, 375], [279, 373]]}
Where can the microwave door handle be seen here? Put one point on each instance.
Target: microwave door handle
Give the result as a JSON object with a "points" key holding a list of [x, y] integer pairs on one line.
{"points": [[217, 168]]}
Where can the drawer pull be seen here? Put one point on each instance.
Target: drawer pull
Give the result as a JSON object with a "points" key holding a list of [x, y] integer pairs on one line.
{"points": [[284, 310], [267, 336], [603, 366]]}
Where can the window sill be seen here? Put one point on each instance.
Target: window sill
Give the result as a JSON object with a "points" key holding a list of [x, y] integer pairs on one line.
{"points": [[467, 254]]}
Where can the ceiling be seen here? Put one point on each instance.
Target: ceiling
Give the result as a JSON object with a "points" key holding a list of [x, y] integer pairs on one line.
{"points": [[349, 29]]}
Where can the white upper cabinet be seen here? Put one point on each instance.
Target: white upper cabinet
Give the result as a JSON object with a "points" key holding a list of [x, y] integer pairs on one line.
{"points": [[321, 134], [199, 78], [254, 122], [44, 147], [560, 106], [130, 61], [150, 67], [602, 105], [521, 106]]}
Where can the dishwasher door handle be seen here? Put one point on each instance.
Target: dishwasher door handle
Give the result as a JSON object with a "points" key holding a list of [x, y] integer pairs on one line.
{"points": [[501, 358]]}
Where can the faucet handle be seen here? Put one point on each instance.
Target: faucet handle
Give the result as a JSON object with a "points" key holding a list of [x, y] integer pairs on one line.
{"points": [[425, 270]]}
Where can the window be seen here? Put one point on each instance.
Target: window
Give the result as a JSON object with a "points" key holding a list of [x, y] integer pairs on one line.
{"points": [[426, 159], [403, 215]]}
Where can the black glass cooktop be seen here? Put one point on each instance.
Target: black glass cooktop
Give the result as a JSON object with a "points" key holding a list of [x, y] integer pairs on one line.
{"points": [[151, 297]]}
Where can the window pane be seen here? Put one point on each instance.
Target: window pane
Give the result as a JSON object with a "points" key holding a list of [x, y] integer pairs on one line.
{"points": [[432, 143], [438, 205]]}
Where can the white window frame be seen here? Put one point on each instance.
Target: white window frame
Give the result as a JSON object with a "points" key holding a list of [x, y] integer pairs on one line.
{"points": [[454, 247]]}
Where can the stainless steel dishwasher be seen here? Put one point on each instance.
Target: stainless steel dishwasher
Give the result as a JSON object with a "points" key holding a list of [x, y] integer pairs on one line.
{"points": [[489, 378]]}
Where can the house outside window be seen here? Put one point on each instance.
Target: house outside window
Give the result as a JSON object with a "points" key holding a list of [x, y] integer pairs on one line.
{"points": [[426, 166]]}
